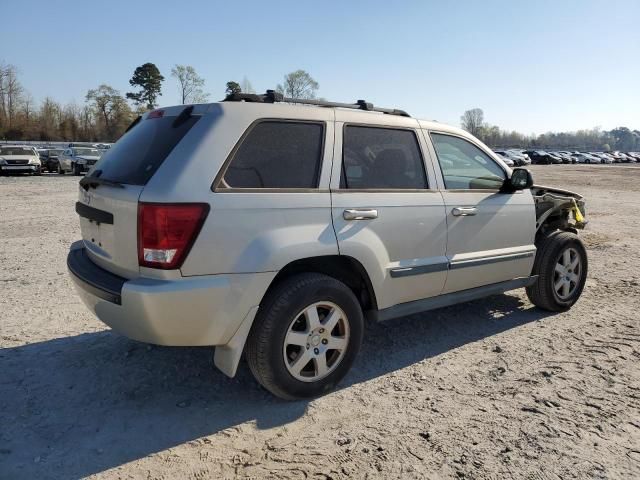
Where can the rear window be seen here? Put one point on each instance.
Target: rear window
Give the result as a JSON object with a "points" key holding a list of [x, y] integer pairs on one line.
{"points": [[277, 154], [139, 153]]}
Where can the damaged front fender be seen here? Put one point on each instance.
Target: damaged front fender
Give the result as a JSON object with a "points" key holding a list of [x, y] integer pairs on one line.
{"points": [[558, 209]]}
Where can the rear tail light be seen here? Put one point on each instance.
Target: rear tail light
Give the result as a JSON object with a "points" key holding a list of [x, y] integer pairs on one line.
{"points": [[166, 232]]}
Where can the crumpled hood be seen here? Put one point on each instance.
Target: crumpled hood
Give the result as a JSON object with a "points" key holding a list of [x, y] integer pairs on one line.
{"points": [[560, 191]]}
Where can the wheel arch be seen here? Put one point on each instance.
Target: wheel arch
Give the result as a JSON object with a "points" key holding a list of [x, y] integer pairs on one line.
{"points": [[341, 267], [344, 268]]}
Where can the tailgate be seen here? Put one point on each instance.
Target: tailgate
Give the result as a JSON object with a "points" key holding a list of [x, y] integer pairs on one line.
{"points": [[109, 226], [109, 212]]}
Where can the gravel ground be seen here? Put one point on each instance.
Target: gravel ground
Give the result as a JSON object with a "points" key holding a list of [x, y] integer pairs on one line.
{"points": [[490, 389]]}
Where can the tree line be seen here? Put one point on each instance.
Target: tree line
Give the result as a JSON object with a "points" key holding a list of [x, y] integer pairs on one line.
{"points": [[106, 112], [594, 140]]}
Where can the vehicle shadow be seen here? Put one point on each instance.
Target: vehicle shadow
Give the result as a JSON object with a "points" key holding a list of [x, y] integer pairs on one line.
{"points": [[76, 406]]}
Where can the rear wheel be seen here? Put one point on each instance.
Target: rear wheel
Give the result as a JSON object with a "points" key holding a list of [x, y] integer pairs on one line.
{"points": [[306, 336], [561, 265], [60, 170]]}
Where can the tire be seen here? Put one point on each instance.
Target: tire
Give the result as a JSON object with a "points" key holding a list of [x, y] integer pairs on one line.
{"points": [[271, 356], [77, 171], [60, 170], [552, 252]]}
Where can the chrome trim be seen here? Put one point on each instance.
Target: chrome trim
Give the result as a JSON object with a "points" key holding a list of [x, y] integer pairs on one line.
{"points": [[418, 270], [476, 262], [398, 272]]}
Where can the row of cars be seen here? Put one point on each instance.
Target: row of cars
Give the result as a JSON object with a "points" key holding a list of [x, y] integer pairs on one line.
{"points": [[75, 158], [520, 158]]}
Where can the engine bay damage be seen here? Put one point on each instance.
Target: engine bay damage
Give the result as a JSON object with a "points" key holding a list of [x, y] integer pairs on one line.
{"points": [[558, 209]]}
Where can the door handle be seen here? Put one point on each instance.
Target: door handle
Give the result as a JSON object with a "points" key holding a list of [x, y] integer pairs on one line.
{"points": [[360, 214], [464, 211]]}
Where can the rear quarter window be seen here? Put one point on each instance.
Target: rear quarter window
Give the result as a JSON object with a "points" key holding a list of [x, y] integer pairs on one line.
{"points": [[276, 154], [139, 153]]}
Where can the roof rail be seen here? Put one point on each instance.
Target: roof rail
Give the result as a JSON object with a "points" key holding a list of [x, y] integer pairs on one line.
{"points": [[271, 96]]}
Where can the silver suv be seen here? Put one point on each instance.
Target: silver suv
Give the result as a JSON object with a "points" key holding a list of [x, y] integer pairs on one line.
{"points": [[272, 227]]}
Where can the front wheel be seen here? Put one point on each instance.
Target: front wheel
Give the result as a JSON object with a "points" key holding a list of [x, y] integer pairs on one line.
{"points": [[306, 336], [60, 170], [561, 265]]}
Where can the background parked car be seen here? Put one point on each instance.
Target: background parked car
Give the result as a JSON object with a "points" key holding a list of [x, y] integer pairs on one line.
{"points": [[49, 158], [19, 159], [586, 158], [540, 157], [564, 156], [604, 158], [505, 158], [77, 160], [519, 159]]}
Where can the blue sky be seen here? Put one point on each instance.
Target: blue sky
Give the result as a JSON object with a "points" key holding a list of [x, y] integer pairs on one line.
{"points": [[532, 66]]}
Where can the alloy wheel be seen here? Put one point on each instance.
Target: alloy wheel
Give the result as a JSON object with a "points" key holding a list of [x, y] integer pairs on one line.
{"points": [[567, 273], [316, 341]]}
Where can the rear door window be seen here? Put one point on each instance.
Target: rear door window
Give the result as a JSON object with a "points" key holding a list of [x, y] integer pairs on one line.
{"points": [[381, 158], [277, 154], [139, 153]]}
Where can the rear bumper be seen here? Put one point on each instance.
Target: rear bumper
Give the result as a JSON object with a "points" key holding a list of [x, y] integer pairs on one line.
{"points": [[190, 311]]}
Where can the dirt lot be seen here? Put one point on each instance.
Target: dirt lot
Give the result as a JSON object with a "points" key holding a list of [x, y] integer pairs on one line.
{"points": [[491, 389]]}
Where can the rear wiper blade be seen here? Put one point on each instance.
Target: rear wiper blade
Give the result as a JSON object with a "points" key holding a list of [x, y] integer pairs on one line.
{"points": [[93, 182]]}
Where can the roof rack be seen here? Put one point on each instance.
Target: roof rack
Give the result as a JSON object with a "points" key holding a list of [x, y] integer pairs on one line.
{"points": [[271, 96]]}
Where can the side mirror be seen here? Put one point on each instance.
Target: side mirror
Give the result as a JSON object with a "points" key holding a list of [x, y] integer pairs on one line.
{"points": [[521, 179]]}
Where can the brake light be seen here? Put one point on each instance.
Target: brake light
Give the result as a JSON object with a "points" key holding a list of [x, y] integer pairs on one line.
{"points": [[155, 114], [166, 232]]}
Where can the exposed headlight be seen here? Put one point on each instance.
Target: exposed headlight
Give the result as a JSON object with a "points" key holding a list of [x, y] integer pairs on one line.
{"points": [[34, 161]]}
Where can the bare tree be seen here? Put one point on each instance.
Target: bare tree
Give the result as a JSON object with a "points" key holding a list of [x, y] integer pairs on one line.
{"points": [[190, 84], [473, 121], [11, 92], [298, 84], [246, 86]]}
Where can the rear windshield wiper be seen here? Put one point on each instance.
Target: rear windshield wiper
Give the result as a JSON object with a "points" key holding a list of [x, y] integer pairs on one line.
{"points": [[93, 182]]}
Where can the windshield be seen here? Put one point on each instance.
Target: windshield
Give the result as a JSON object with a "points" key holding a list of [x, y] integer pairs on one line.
{"points": [[16, 151], [90, 152]]}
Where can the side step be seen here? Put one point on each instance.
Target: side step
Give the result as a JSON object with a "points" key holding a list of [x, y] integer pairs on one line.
{"points": [[409, 308]]}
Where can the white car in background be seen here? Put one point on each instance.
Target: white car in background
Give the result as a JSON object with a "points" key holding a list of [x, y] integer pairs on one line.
{"points": [[604, 158], [78, 160], [586, 158], [19, 159]]}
